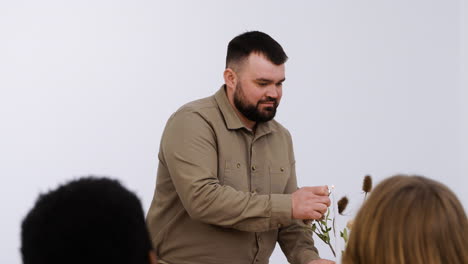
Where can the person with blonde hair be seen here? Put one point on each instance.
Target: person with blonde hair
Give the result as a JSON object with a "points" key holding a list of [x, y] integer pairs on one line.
{"points": [[409, 219]]}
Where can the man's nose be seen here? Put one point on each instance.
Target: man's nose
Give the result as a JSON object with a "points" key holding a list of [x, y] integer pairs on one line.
{"points": [[272, 92]]}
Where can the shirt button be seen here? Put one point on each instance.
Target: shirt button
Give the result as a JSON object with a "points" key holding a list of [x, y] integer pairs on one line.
{"points": [[254, 168], [282, 169], [279, 225], [257, 260], [238, 165]]}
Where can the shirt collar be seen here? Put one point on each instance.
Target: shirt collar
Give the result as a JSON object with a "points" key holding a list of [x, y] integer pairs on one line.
{"points": [[232, 119]]}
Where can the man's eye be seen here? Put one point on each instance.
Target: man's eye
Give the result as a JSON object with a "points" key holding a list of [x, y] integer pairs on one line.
{"points": [[263, 84]]}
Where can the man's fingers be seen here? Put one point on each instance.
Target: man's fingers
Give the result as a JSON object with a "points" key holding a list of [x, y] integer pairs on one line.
{"points": [[310, 202], [321, 208], [322, 190], [315, 215], [325, 200], [318, 190]]}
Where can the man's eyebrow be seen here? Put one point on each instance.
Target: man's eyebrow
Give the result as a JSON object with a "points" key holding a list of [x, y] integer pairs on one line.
{"points": [[263, 80], [268, 80]]}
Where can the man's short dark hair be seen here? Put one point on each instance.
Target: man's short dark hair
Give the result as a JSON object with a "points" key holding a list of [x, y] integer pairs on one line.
{"points": [[240, 47], [86, 221]]}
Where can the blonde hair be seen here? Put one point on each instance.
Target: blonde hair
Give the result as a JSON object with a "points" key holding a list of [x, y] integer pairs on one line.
{"points": [[409, 219]]}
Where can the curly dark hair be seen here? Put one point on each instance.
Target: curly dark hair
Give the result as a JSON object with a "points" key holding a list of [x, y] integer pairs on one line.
{"points": [[89, 220]]}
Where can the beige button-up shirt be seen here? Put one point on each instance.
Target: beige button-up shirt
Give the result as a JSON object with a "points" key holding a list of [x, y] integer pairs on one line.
{"points": [[223, 192]]}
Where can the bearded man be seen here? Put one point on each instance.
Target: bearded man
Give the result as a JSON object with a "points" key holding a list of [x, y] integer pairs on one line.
{"points": [[226, 188]]}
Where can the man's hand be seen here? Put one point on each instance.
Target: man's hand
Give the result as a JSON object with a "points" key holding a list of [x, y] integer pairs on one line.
{"points": [[322, 261], [310, 202]]}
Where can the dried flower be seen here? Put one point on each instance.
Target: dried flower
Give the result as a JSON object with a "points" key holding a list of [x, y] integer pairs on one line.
{"points": [[350, 223], [367, 184], [322, 228], [342, 203]]}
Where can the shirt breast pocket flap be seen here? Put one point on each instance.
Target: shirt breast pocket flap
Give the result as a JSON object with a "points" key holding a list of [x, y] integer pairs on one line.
{"points": [[234, 172], [279, 176]]}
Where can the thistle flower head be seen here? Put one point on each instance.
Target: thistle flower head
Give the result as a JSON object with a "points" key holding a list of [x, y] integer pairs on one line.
{"points": [[367, 184], [342, 203]]}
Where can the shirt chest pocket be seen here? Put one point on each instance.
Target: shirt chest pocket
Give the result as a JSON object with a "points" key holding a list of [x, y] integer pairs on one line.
{"points": [[279, 176], [235, 175]]}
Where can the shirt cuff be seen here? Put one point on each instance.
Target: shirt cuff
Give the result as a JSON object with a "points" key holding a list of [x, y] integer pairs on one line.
{"points": [[281, 210]]}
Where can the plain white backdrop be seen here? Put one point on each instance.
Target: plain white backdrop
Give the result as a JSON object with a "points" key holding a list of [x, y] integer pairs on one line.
{"points": [[373, 87]]}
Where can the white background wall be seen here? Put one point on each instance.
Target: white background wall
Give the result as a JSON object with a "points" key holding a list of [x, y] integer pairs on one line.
{"points": [[464, 102], [373, 87]]}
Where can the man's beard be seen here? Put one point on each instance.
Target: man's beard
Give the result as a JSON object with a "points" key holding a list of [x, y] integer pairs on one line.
{"points": [[251, 111]]}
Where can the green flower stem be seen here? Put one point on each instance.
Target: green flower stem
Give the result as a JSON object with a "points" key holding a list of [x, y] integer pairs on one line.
{"points": [[323, 232], [326, 234]]}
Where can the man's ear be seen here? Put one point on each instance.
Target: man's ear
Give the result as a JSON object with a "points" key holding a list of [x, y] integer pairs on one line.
{"points": [[230, 78], [152, 257]]}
